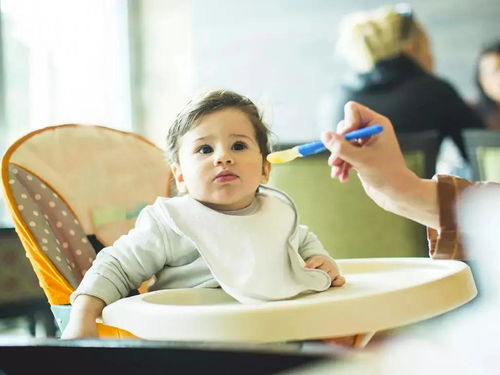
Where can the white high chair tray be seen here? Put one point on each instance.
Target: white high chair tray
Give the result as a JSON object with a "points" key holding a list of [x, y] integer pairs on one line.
{"points": [[380, 293]]}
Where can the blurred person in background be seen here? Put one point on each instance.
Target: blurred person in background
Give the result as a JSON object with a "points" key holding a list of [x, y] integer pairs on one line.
{"points": [[488, 84], [389, 51]]}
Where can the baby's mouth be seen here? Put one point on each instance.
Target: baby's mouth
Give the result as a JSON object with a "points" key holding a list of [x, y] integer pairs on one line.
{"points": [[225, 176]]}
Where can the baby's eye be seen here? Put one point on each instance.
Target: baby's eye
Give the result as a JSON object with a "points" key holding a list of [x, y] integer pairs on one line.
{"points": [[238, 146], [205, 149]]}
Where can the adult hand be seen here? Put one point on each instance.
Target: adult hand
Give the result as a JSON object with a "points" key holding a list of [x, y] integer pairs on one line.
{"points": [[381, 167], [378, 159]]}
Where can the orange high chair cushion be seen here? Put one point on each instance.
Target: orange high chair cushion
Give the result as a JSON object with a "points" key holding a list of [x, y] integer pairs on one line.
{"points": [[68, 179], [55, 236], [97, 171]]}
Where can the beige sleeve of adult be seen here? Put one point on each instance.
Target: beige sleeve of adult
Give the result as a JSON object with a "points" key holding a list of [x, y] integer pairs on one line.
{"points": [[445, 242]]}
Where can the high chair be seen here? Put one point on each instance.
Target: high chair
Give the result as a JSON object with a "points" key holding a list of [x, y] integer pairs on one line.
{"points": [[73, 189]]}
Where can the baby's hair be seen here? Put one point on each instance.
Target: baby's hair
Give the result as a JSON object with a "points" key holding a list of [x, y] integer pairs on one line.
{"points": [[208, 103]]}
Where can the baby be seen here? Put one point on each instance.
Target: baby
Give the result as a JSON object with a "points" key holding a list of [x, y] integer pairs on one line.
{"points": [[223, 230]]}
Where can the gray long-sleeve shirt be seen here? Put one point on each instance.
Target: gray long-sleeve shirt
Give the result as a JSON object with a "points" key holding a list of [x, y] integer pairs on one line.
{"points": [[154, 247]]}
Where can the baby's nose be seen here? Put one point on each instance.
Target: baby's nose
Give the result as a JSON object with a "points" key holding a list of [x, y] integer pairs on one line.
{"points": [[224, 158]]}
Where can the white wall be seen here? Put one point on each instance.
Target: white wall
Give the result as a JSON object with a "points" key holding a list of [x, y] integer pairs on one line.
{"points": [[280, 53]]}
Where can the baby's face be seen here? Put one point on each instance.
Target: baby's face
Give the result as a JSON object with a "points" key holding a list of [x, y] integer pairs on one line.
{"points": [[220, 163]]}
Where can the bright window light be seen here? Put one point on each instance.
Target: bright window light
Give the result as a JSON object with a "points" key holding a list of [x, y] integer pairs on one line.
{"points": [[66, 61]]}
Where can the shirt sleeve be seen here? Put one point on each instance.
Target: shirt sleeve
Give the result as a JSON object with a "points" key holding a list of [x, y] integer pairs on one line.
{"points": [[310, 245], [445, 242], [132, 259]]}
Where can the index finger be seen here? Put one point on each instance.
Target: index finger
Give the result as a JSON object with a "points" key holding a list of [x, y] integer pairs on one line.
{"points": [[357, 116]]}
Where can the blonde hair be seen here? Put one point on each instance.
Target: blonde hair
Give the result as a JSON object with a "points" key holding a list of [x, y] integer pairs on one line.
{"points": [[369, 37]]}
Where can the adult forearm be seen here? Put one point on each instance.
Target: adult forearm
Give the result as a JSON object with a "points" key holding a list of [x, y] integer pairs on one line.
{"points": [[418, 201]]}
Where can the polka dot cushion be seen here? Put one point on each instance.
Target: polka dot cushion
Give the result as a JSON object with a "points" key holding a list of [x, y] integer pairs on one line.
{"points": [[54, 226]]}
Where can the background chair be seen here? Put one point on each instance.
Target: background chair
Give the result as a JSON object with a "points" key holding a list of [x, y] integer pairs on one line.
{"points": [[420, 150], [20, 293], [344, 218], [73, 189], [483, 150]]}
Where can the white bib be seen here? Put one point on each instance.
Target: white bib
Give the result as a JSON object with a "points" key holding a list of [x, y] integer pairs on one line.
{"points": [[254, 257]]}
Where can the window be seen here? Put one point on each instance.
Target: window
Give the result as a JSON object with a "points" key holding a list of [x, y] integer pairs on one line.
{"points": [[63, 61]]}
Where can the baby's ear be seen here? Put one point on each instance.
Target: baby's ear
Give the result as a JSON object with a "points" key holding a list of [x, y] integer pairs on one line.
{"points": [[178, 177], [266, 170]]}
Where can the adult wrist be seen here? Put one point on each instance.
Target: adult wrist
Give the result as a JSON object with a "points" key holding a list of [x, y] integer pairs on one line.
{"points": [[417, 199]]}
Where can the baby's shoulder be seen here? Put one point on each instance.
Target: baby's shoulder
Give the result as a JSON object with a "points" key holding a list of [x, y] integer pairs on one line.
{"points": [[158, 210], [164, 202], [276, 195]]}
